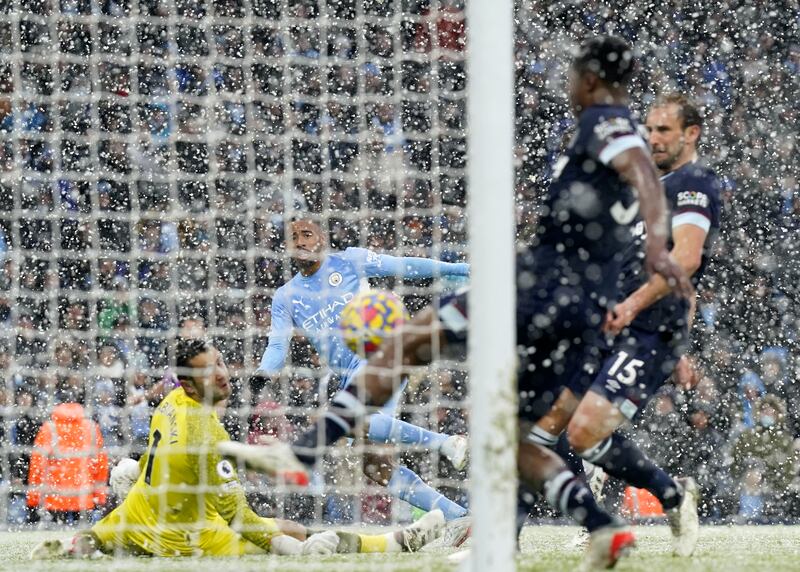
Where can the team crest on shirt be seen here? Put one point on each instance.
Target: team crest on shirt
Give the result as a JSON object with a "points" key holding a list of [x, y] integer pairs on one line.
{"points": [[225, 469], [335, 279]]}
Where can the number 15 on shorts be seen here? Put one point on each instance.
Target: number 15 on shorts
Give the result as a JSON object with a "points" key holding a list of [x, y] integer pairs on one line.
{"points": [[624, 371]]}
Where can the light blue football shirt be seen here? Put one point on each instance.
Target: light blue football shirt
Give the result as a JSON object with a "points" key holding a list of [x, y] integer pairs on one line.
{"points": [[313, 304]]}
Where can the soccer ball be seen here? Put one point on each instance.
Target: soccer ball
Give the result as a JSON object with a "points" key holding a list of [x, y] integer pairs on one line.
{"points": [[369, 318]]}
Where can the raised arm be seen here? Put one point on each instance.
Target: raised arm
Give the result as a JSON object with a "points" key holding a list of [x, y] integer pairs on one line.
{"points": [[379, 265]]}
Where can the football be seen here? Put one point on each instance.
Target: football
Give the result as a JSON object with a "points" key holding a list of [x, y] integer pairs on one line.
{"points": [[369, 318]]}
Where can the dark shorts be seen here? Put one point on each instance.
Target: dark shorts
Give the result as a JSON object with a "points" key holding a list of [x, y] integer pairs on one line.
{"points": [[454, 318], [633, 368], [558, 332]]}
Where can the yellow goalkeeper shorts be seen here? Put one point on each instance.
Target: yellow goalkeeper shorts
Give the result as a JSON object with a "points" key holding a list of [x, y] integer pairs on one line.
{"points": [[120, 531]]}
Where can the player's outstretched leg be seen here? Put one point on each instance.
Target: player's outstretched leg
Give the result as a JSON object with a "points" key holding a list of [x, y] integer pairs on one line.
{"points": [[84, 544], [406, 485], [409, 539], [349, 407], [556, 418], [386, 429], [544, 471], [621, 458], [375, 385]]}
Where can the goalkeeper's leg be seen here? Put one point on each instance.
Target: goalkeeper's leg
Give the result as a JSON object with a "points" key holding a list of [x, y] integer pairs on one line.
{"points": [[408, 539], [292, 539]]}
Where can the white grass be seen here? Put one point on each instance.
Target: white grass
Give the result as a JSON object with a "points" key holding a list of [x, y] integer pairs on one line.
{"points": [[544, 548]]}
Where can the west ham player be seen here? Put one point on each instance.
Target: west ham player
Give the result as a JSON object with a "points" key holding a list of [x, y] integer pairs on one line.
{"points": [[188, 501], [564, 280], [569, 275], [312, 302], [651, 327]]}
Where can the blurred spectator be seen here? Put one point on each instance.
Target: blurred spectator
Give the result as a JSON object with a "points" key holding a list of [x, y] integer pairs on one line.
{"points": [[702, 456], [138, 407], [777, 381], [68, 468], [269, 420], [107, 414], [765, 461], [665, 431], [109, 362], [751, 388], [23, 434]]}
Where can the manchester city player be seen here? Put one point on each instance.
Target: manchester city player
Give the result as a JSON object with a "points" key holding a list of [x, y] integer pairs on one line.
{"points": [[651, 327], [312, 302], [565, 280]]}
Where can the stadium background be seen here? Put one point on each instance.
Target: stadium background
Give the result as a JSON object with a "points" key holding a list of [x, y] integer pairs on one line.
{"points": [[150, 150]]}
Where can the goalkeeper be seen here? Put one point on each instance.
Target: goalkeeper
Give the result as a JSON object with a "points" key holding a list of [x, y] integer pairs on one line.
{"points": [[187, 500]]}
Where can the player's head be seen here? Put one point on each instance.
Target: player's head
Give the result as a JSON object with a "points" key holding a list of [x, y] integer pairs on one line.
{"points": [[674, 124], [600, 72], [201, 371], [307, 243]]}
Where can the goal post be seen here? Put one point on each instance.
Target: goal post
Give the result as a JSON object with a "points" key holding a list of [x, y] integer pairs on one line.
{"points": [[490, 175]]}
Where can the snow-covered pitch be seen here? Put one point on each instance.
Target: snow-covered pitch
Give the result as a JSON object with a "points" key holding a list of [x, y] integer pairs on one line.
{"points": [[544, 548]]}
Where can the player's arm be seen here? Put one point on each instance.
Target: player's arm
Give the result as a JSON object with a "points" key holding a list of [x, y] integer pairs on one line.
{"points": [[687, 252], [636, 167], [227, 496], [280, 336], [382, 265]]}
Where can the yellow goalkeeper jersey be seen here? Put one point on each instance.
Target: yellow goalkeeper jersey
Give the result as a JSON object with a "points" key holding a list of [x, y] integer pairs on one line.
{"points": [[188, 500]]}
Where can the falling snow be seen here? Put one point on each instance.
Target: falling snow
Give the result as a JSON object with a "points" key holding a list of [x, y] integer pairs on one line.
{"points": [[152, 152]]}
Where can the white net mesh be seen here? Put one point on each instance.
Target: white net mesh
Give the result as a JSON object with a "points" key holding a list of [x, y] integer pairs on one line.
{"points": [[152, 154]]}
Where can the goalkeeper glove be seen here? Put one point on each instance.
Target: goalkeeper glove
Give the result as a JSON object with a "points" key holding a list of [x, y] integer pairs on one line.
{"points": [[321, 544], [123, 476]]}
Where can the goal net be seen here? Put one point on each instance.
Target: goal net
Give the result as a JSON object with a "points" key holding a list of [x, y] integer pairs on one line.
{"points": [[152, 155]]}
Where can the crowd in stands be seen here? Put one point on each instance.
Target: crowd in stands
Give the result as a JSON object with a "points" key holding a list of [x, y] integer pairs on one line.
{"points": [[149, 159], [740, 61]]}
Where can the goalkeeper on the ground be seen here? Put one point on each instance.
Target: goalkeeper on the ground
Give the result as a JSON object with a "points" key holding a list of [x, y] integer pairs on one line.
{"points": [[187, 500]]}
